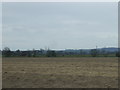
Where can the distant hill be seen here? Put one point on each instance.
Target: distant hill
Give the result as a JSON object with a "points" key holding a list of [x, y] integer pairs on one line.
{"points": [[109, 49]]}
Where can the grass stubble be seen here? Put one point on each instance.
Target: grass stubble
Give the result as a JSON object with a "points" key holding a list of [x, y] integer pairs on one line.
{"points": [[84, 72]]}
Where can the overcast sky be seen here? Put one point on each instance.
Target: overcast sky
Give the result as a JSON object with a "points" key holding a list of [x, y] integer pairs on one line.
{"points": [[0, 25], [60, 25]]}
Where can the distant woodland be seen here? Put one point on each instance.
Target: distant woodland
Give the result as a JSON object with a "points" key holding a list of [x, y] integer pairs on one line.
{"points": [[100, 52]]}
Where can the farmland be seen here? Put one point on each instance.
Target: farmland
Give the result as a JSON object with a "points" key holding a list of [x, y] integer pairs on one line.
{"points": [[59, 72]]}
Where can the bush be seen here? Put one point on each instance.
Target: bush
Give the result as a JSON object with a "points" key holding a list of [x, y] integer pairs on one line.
{"points": [[51, 53]]}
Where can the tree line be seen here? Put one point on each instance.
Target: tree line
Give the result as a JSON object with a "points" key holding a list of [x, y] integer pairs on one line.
{"points": [[6, 52]]}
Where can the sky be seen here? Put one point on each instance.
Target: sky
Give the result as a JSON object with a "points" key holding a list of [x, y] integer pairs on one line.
{"points": [[59, 0], [65, 25], [0, 25]]}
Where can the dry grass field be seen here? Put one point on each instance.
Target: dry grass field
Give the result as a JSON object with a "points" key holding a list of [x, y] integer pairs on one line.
{"points": [[60, 72]]}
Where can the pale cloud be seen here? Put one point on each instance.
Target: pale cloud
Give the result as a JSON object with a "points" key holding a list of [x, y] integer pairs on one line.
{"points": [[78, 22], [59, 26]]}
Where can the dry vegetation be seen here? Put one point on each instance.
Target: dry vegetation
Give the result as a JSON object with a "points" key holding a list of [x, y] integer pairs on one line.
{"points": [[60, 72]]}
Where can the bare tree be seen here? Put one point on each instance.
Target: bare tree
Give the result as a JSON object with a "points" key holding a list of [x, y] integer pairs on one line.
{"points": [[7, 52]]}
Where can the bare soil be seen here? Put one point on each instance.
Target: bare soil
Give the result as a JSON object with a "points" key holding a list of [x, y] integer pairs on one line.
{"points": [[60, 72]]}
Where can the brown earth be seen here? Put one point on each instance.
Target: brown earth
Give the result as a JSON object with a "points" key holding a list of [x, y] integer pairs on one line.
{"points": [[60, 72]]}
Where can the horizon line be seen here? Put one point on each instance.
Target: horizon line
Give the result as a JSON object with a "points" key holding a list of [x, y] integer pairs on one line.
{"points": [[61, 49]]}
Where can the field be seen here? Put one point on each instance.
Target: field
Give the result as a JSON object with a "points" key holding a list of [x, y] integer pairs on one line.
{"points": [[60, 72]]}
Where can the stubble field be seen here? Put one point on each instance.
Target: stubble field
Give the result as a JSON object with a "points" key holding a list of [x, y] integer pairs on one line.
{"points": [[60, 72]]}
